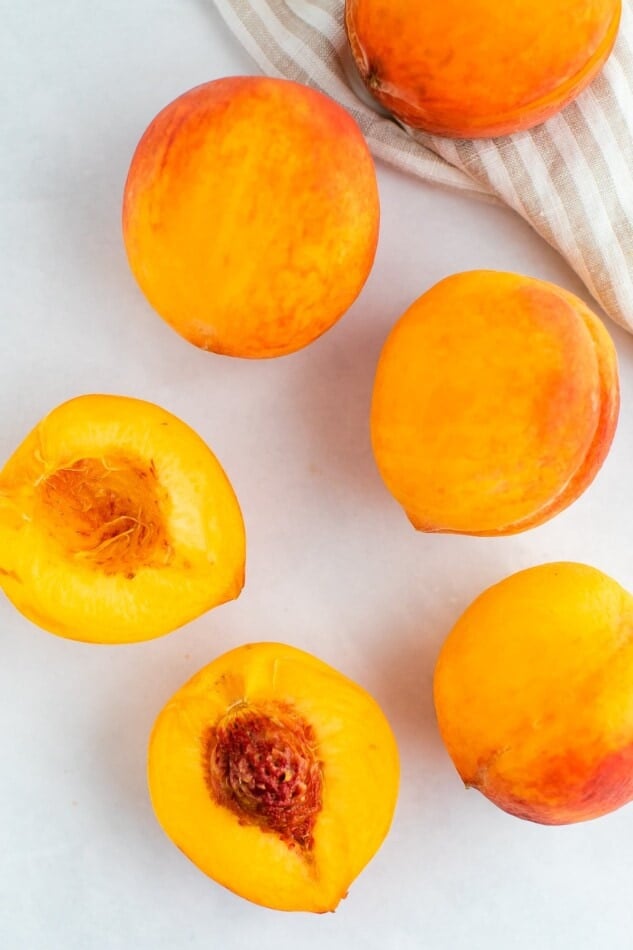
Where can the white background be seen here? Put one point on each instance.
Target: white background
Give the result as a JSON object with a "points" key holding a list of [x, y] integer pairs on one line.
{"points": [[334, 566]]}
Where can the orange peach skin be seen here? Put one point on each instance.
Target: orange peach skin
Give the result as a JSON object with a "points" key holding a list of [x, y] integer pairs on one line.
{"points": [[533, 694], [251, 215], [482, 67], [495, 403]]}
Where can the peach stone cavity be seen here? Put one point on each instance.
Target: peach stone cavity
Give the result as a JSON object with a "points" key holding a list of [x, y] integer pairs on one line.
{"points": [[263, 765], [107, 511]]}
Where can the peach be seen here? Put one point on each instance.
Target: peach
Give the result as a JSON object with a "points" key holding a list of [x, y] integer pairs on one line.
{"points": [[533, 692], [117, 523], [276, 775], [482, 67], [495, 403], [250, 215]]}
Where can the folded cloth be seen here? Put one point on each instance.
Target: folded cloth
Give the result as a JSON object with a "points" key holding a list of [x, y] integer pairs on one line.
{"points": [[570, 178]]}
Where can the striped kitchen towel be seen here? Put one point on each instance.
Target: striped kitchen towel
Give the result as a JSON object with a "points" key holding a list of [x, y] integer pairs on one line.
{"points": [[570, 178]]}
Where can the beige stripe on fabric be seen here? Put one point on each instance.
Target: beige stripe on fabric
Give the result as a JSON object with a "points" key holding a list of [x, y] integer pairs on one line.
{"points": [[570, 178]]}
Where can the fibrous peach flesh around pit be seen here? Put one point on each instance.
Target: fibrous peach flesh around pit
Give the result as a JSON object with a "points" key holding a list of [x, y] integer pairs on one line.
{"points": [[109, 511], [276, 775], [117, 523], [262, 764]]}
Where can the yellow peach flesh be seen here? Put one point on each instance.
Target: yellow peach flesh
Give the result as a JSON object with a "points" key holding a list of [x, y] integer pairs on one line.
{"points": [[117, 523], [351, 743]]}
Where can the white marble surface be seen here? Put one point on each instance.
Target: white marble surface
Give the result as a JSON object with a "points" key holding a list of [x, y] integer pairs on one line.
{"points": [[333, 565]]}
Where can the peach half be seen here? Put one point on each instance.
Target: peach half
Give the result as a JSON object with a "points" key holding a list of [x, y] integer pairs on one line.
{"points": [[472, 68], [276, 775], [250, 215], [117, 523], [533, 692], [495, 403]]}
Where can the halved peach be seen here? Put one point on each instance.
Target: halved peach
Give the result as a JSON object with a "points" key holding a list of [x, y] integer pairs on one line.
{"points": [[117, 523], [276, 775]]}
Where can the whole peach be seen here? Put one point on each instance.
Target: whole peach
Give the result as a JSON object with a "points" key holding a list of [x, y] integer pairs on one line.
{"points": [[472, 68], [495, 403], [251, 214], [533, 692]]}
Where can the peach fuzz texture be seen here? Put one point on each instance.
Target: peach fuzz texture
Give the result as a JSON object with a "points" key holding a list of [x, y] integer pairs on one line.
{"points": [[482, 68], [495, 403], [533, 692], [251, 215]]}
